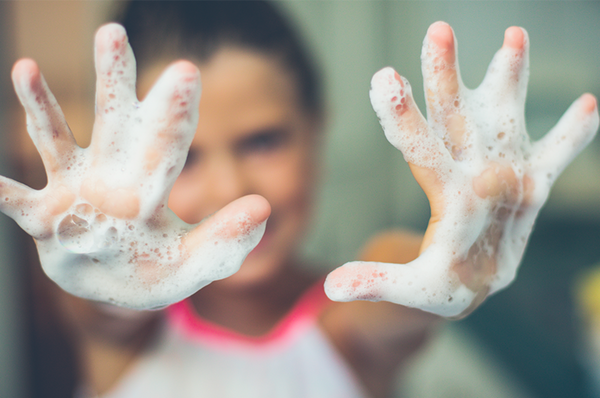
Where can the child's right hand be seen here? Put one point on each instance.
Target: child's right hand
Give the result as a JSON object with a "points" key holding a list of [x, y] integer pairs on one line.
{"points": [[102, 226]]}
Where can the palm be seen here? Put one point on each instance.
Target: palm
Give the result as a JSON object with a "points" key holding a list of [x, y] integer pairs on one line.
{"points": [[102, 226], [483, 177]]}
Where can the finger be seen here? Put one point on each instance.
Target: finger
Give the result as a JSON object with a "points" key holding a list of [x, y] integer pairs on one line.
{"points": [[573, 132], [440, 71], [442, 87], [12, 197], [508, 73], [228, 236], [21, 203], [403, 124], [45, 121], [172, 110], [418, 284], [215, 249], [115, 72]]}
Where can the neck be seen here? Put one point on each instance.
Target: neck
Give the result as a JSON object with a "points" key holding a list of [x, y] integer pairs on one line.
{"points": [[105, 362], [252, 310]]}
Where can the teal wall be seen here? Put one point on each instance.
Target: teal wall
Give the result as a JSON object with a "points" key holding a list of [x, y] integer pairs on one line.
{"points": [[12, 358], [367, 185]]}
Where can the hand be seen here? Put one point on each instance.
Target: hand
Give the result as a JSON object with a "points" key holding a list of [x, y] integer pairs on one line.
{"points": [[484, 179], [101, 225]]}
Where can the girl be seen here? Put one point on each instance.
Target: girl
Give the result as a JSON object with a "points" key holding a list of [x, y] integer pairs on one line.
{"points": [[269, 330]]}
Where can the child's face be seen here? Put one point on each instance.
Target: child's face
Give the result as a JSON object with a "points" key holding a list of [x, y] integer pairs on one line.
{"points": [[253, 137]]}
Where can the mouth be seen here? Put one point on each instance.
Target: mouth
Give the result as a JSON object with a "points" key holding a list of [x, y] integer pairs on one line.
{"points": [[264, 241]]}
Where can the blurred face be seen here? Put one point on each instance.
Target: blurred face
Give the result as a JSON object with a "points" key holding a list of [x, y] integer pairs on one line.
{"points": [[253, 137]]}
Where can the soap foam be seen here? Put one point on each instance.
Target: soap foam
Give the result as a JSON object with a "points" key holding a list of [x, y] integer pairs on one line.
{"points": [[143, 267], [102, 226], [481, 238]]}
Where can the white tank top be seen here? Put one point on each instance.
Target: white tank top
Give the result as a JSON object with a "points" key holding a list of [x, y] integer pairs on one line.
{"points": [[195, 358]]}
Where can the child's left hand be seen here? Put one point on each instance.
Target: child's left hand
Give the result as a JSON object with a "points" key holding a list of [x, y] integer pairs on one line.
{"points": [[484, 179]]}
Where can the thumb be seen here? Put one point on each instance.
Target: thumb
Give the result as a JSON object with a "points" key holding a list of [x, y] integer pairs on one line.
{"points": [[424, 284], [241, 220], [229, 235]]}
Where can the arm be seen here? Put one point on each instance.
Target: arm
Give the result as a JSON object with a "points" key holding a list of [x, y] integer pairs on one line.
{"points": [[377, 339]]}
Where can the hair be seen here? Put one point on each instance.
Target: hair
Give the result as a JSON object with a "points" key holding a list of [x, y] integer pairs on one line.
{"points": [[196, 30]]}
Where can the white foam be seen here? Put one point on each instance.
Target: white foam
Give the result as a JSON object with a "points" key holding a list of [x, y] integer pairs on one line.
{"points": [[142, 267], [478, 237], [102, 226]]}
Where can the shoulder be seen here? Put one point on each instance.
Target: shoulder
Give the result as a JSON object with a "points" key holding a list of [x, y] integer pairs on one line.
{"points": [[392, 246]]}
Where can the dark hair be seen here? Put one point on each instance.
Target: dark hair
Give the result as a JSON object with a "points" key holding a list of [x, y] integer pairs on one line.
{"points": [[196, 30]]}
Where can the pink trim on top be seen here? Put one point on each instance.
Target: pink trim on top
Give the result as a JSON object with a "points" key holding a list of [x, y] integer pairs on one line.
{"points": [[302, 315]]}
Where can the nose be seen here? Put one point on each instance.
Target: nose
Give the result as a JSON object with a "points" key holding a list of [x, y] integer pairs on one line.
{"points": [[208, 186], [225, 182]]}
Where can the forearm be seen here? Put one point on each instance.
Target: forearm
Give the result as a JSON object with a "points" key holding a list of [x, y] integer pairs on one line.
{"points": [[107, 338], [379, 338], [111, 325]]}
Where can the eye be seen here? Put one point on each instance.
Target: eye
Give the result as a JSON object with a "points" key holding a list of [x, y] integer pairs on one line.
{"points": [[263, 142]]}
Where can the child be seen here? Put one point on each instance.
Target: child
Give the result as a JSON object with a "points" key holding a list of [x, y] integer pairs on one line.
{"points": [[268, 330]]}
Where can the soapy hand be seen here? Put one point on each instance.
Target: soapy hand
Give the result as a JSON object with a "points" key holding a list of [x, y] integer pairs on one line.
{"points": [[102, 226], [484, 179]]}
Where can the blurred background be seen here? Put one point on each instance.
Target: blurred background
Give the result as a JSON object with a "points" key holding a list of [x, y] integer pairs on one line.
{"points": [[525, 341]]}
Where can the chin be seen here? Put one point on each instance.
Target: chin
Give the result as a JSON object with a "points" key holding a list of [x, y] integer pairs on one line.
{"points": [[258, 268]]}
